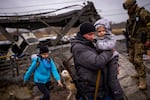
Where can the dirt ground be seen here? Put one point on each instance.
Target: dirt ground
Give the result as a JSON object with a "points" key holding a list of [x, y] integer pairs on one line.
{"points": [[17, 92]]}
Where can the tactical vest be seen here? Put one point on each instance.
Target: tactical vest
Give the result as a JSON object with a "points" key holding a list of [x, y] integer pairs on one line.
{"points": [[136, 25]]}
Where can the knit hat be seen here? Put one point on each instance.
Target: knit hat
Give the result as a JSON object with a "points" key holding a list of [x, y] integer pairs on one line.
{"points": [[44, 49], [86, 28]]}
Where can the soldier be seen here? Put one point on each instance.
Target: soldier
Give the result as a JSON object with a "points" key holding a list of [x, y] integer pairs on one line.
{"points": [[138, 25]]}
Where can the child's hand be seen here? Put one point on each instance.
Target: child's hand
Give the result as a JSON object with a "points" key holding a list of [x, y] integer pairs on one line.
{"points": [[113, 50], [59, 83]]}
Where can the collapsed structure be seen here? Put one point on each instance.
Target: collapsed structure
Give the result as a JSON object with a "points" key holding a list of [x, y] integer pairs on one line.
{"points": [[66, 20]]}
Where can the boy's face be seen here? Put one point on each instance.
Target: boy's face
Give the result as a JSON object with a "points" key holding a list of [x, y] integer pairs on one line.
{"points": [[45, 55], [101, 31]]}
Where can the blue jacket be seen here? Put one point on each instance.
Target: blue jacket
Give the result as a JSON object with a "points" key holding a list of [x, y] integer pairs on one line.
{"points": [[42, 74]]}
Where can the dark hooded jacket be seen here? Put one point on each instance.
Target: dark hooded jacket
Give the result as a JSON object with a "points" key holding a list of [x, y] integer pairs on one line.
{"points": [[87, 62]]}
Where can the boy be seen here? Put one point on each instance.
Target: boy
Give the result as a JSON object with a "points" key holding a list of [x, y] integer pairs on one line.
{"points": [[42, 72], [106, 41]]}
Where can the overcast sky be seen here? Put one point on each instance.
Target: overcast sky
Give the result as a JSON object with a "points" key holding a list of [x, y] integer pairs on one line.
{"points": [[109, 9]]}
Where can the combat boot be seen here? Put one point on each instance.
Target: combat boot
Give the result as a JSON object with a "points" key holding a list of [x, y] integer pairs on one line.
{"points": [[142, 84]]}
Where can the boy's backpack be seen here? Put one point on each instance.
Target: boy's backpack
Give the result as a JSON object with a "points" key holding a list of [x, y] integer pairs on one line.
{"points": [[36, 56]]}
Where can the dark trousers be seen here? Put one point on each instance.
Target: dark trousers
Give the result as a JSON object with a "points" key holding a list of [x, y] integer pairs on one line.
{"points": [[44, 88], [113, 80]]}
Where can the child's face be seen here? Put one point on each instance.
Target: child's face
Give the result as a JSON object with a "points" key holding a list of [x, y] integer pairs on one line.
{"points": [[101, 31], [45, 55]]}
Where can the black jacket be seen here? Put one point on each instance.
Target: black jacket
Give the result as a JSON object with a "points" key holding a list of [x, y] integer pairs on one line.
{"points": [[87, 62]]}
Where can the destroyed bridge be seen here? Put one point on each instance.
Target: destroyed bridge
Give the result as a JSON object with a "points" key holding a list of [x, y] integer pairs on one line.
{"points": [[67, 20]]}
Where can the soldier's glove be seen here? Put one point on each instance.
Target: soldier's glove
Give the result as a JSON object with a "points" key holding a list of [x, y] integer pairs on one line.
{"points": [[147, 44]]}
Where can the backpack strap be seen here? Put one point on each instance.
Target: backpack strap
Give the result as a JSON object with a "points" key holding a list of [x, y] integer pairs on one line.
{"points": [[37, 62]]}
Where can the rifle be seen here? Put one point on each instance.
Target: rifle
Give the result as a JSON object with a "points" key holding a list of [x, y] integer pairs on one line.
{"points": [[126, 35], [67, 65], [129, 35]]}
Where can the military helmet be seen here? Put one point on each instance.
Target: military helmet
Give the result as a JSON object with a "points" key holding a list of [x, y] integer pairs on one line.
{"points": [[129, 3]]}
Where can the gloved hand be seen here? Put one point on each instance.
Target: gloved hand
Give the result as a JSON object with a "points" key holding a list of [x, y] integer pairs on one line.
{"points": [[115, 54], [147, 44]]}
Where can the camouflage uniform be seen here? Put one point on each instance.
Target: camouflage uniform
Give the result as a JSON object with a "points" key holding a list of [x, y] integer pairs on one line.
{"points": [[138, 29]]}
